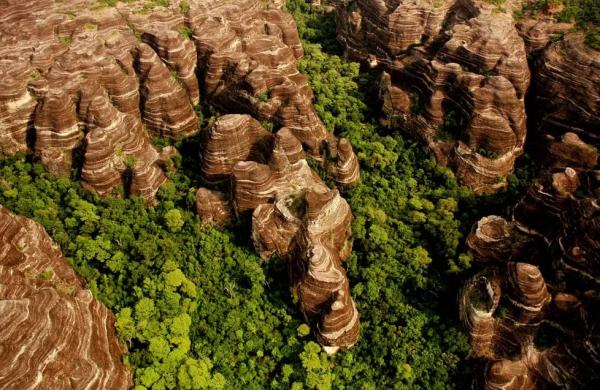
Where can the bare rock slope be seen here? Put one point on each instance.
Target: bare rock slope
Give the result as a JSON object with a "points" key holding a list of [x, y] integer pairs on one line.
{"points": [[464, 77], [454, 72], [55, 335]]}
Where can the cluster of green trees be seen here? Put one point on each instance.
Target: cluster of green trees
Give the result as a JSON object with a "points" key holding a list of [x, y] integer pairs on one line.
{"points": [[198, 309]]}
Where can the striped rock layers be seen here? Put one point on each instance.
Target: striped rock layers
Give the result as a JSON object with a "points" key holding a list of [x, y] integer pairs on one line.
{"points": [[295, 216], [86, 86], [55, 335], [542, 272], [566, 89], [454, 72]]}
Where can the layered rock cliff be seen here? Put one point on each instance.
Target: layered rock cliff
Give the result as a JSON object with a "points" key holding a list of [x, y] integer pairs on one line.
{"points": [[55, 335], [294, 215], [532, 313], [455, 73], [85, 86]]}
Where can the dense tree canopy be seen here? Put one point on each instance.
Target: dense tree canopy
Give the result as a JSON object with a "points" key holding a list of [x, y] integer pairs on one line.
{"points": [[197, 307]]}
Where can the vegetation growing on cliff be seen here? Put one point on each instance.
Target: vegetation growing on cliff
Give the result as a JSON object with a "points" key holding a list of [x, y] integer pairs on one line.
{"points": [[584, 13]]}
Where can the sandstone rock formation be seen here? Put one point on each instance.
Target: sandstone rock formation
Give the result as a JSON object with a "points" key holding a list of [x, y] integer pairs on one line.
{"points": [[542, 272], [454, 72], [230, 139], [84, 86], [80, 79], [295, 216], [566, 89], [565, 73], [55, 335]]}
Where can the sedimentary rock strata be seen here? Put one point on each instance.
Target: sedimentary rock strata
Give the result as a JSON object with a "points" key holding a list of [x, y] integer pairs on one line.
{"points": [[232, 138], [55, 335], [566, 89], [213, 207], [86, 86], [142, 66], [294, 215], [454, 73], [542, 268]]}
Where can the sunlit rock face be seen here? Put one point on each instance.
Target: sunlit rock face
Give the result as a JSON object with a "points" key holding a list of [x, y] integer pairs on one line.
{"points": [[86, 86], [454, 73], [55, 335], [532, 313], [230, 139]]}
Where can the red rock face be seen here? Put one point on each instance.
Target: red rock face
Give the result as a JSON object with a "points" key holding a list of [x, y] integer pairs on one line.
{"points": [[213, 207], [54, 333], [297, 217], [86, 87], [455, 74], [230, 139], [542, 267]]}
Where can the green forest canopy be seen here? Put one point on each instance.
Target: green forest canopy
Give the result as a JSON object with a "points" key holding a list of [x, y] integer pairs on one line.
{"points": [[199, 309]]}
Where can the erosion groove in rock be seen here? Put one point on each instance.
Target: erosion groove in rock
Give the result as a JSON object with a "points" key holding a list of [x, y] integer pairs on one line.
{"points": [[55, 335], [71, 69], [295, 216], [541, 269]]}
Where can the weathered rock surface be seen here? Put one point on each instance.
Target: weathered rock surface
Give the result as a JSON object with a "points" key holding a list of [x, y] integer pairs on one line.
{"points": [[232, 138], [85, 86], [455, 74], [542, 267], [142, 66], [295, 216], [213, 207], [55, 335], [566, 89]]}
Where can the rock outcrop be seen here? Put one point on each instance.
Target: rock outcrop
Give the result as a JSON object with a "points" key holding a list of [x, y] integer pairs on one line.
{"points": [[294, 215], [55, 335], [542, 272], [454, 72], [566, 89], [232, 138], [213, 207], [81, 80], [86, 86]]}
